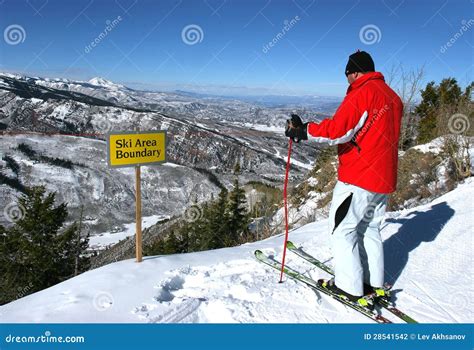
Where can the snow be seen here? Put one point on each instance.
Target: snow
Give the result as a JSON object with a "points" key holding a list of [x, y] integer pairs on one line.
{"points": [[105, 239], [105, 83], [428, 254], [172, 165], [308, 166], [10, 75], [312, 181], [262, 127], [61, 111], [293, 161], [434, 146]]}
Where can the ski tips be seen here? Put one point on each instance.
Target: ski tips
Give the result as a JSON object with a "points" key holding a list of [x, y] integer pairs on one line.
{"points": [[290, 245]]}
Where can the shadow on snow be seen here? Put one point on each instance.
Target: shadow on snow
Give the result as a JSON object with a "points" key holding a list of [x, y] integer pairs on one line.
{"points": [[417, 228]]}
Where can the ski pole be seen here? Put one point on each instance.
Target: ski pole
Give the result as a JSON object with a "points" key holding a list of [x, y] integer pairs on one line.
{"points": [[286, 207]]}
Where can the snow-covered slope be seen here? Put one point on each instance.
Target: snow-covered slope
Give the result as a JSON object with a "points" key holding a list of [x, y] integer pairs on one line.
{"points": [[428, 253]]}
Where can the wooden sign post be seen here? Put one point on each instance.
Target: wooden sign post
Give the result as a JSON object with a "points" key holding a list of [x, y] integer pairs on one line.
{"points": [[126, 149], [138, 214]]}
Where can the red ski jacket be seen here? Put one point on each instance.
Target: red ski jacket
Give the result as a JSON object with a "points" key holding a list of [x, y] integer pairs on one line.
{"points": [[366, 128]]}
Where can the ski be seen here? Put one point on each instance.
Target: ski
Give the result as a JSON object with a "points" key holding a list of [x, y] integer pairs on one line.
{"points": [[314, 285], [388, 305], [301, 253]]}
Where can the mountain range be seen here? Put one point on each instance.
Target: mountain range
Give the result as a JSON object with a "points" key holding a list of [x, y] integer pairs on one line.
{"points": [[69, 120]]}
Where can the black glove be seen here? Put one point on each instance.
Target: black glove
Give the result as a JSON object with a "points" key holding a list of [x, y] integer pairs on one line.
{"points": [[295, 129]]}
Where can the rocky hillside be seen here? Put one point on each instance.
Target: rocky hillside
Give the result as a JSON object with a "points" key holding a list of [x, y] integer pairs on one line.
{"points": [[67, 121]]}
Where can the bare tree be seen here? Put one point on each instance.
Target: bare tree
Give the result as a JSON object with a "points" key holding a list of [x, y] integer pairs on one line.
{"points": [[407, 83]]}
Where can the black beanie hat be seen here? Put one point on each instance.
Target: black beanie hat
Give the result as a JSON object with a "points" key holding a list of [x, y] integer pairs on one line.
{"points": [[359, 61]]}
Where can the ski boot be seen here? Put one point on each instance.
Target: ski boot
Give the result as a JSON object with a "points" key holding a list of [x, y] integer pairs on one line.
{"points": [[363, 301], [378, 292]]}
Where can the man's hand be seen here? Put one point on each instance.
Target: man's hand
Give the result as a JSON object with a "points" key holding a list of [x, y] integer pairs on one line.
{"points": [[295, 129]]}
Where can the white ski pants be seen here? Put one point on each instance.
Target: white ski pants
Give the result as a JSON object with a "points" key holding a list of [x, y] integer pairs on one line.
{"points": [[354, 225]]}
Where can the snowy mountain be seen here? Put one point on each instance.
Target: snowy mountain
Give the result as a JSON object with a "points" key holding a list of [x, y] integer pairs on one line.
{"points": [[263, 110], [69, 120], [218, 129], [425, 249], [106, 83]]}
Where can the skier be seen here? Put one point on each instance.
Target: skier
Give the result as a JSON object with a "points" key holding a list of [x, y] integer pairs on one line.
{"points": [[366, 128]]}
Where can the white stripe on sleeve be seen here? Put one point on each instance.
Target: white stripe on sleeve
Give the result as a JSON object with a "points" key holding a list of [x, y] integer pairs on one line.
{"points": [[343, 139]]}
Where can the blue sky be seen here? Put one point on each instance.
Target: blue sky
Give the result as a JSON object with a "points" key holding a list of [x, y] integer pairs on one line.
{"points": [[145, 46]]}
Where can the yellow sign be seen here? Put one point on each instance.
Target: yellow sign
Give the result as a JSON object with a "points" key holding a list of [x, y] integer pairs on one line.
{"points": [[136, 148]]}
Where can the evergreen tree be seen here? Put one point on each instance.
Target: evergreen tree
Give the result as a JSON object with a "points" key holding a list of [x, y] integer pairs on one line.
{"points": [[427, 112], [35, 253], [171, 244], [438, 104], [466, 96], [81, 244], [238, 218], [183, 242], [237, 168], [191, 230], [184, 236], [205, 229], [69, 249], [214, 224], [218, 227], [156, 248], [449, 92]]}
